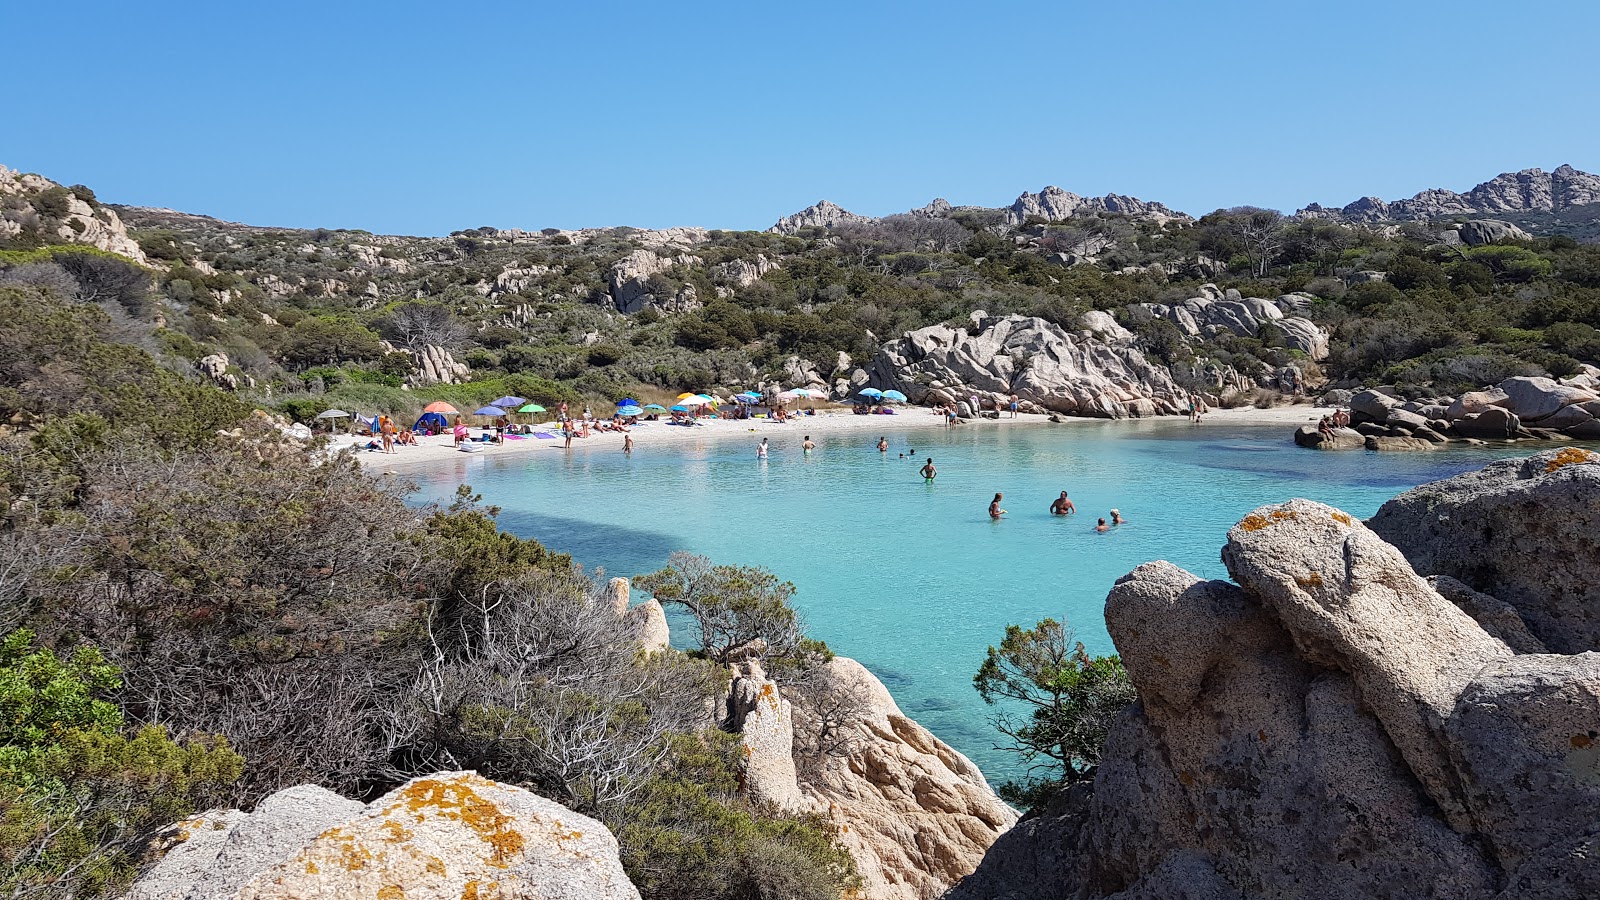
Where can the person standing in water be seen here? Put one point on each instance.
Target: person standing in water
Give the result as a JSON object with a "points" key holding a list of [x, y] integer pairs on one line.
{"points": [[929, 473], [995, 511], [883, 445], [1116, 518], [1062, 506], [761, 451], [1102, 526], [809, 445], [627, 443]]}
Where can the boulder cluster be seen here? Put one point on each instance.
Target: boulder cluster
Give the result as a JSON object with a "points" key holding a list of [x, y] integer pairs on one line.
{"points": [[1519, 408], [1404, 708]]}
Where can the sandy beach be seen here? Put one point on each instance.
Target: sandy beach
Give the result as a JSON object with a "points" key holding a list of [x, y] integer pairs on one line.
{"points": [[440, 450]]}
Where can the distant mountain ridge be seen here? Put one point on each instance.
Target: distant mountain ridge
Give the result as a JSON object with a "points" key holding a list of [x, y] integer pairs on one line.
{"points": [[1528, 191], [1052, 204]]}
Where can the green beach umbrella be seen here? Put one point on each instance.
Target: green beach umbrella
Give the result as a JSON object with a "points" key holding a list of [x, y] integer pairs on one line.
{"points": [[531, 407]]}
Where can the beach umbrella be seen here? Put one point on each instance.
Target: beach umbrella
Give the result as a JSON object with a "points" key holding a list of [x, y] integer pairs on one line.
{"points": [[508, 402], [874, 393], [531, 408], [333, 414], [629, 410], [627, 401], [656, 407], [896, 396], [490, 411], [680, 409], [687, 394], [693, 400], [790, 395], [441, 407]]}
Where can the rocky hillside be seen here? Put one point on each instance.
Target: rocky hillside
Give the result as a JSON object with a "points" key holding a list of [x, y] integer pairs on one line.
{"points": [[1563, 200], [1407, 707], [35, 211]]}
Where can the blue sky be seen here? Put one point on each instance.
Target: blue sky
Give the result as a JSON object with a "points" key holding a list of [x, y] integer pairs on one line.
{"points": [[422, 118]]}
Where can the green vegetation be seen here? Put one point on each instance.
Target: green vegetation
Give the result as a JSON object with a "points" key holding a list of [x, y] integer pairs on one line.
{"points": [[1069, 701]]}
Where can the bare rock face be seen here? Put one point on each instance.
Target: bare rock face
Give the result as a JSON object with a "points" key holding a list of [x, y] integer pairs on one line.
{"points": [[443, 837], [1332, 725], [1214, 313], [1535, 400], [1056, 205], [1037, 360], [215, 368], [915, 814], [78, 222], [630, 288], [1525, 531], [822, 214], [435, 365], [1491, 231], [1339, 439], [1530, 190]]}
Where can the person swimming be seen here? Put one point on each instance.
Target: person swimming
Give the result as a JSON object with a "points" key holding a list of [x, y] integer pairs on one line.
{"points": [[1102, 526], [1117, 519], [995, 511], [1062, 505], [883, 445], [929, 473]]}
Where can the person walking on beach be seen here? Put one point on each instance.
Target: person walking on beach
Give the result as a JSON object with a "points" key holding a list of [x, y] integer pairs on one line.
{"points": [[567, 428], [809, 445], [627, 443], [1062, 506], [761, 451], [459, 432], [929, 473], [883, 445], [1014, 404], [386, 428], [995, 511]]}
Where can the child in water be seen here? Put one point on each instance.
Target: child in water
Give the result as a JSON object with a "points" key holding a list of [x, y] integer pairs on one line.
{"points": [[995, 511]]}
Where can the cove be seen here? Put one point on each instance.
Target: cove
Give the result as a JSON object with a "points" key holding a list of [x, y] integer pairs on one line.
{"points": [[912, 579]]}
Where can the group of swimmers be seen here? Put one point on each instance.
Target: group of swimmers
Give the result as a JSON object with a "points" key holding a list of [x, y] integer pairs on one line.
{"points": [[1060, 506]]}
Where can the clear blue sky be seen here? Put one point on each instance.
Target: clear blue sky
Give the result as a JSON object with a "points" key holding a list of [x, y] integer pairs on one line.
{"points": [[422, 118]]}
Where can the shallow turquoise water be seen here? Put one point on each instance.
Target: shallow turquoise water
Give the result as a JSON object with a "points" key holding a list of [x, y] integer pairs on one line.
{"points": [[912, 579]]}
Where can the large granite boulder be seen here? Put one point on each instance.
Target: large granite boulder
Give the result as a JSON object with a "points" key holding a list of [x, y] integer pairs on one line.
{"points": [[1037, 360], [1491, 231], [1338, 439], [1372, 405], [1331, 725], [443, 837], [1526, 531], [1493, 424], [1535, 399]]}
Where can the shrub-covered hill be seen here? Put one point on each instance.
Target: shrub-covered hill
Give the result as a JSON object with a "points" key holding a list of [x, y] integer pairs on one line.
{"points": [[311, 318]]}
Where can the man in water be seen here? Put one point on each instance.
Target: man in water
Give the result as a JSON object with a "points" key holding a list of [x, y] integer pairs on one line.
{"points": [[1062, 506], [883, 445], [809, 445], [929, 473], [761, 451], [627, 443], [995, 511], [1102, 526], [1116, 518]]}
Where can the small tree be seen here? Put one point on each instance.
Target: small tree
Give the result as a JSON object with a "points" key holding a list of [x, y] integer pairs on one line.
{"points": [[1071, 699], [741, 611]]}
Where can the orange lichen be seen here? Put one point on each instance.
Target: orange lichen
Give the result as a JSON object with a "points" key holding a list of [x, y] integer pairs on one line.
{"points": [[1343, 519], [394, 832], [1582, 742], [1256, 521], [1567, 457], [470, 892], [391, 892], [456, 799], [1312, 580], [436, 866], [311, 867]]}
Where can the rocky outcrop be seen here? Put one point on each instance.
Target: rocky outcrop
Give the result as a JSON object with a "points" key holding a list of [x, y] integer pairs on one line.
{"points": [[435, 365], [215, 369], [1520, 408], [1491, 231], [62, 216], [1523, 531], [822, 214], [744, 272], [1037, 360], [447, 836], [1336, 439], [1329, 725], [1530, 190], [1056, 205], [630, 288], [1215, 313]]}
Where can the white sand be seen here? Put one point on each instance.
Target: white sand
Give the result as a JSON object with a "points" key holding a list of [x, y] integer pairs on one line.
{"points": [[440, 450]]}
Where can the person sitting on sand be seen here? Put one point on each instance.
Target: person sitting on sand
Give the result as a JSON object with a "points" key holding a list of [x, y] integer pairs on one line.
{"points": [[407, 438], [995, 511], [1117, 519], [1062, 506], [1102, 526], [929, 473]]}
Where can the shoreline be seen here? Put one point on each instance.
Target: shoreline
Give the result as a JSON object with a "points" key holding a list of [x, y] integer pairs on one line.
{"points": [[439, 450]]}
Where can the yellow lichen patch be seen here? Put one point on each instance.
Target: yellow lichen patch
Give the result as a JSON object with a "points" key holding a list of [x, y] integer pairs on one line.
{"points": [[456, 799], [1343, 519], [1581, 742], [436, 866], [395, 833], [470, 892], [1256, 521], [391, 892], [311, 867], [1311, 580], [1567, 457]]}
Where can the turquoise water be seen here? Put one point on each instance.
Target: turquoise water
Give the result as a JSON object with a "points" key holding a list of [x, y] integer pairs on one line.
{"points": [[914, 580]]}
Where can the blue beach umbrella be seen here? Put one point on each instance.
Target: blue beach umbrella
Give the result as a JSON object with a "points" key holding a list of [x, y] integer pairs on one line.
{"points": [[490, 411], [680, 409], [895, 396], [629, 410], [627, 401], [874, 393], [656, 407], [508, 402]]}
